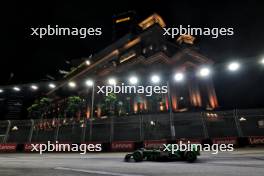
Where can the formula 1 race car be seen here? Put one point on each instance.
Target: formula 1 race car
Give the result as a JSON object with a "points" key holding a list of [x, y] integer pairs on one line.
{"points": [[161, 155]]}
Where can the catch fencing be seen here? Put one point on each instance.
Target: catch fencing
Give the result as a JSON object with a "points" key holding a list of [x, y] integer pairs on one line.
{"points": [[138, 127]]}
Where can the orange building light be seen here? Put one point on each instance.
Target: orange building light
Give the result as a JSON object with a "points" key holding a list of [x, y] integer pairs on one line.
{"points": [[122, 20], [151, 20]]}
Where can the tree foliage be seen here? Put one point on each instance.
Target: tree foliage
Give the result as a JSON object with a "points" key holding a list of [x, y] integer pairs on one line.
{"points": [[109, 103], [73, 105]]}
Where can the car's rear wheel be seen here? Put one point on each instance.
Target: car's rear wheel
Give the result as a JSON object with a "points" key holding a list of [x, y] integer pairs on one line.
{"points": [[190, 156]]}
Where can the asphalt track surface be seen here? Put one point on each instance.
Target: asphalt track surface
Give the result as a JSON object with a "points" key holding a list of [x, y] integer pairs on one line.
{"points": [[242, 162]]}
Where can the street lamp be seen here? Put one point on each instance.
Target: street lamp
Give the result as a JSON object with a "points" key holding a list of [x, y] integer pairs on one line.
{"points": [[17, 89], [178, 77], [34, 87], [155, 79], [52, 86], [89, 83], [172, 127], [87, 62], [112, 81], [262, 61], [204, 72], [233, 66], [133, 80], [1, 90], [72, 84]]}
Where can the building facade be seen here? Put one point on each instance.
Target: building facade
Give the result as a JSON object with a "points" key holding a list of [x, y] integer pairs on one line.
{"points": [[144, 52]]}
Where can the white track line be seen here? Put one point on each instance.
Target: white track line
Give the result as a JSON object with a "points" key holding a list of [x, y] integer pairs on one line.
{"points": [[95, 172]]}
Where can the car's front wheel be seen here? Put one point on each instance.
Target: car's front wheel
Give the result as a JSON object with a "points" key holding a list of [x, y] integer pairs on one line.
{"points": [[190, 156], [127, 157]]}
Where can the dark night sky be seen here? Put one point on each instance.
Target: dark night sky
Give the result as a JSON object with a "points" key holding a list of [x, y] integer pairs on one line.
{"points": [[30, 59]]}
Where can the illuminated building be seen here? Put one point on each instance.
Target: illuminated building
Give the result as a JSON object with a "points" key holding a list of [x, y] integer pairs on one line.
{"points": [[148, 51]]}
